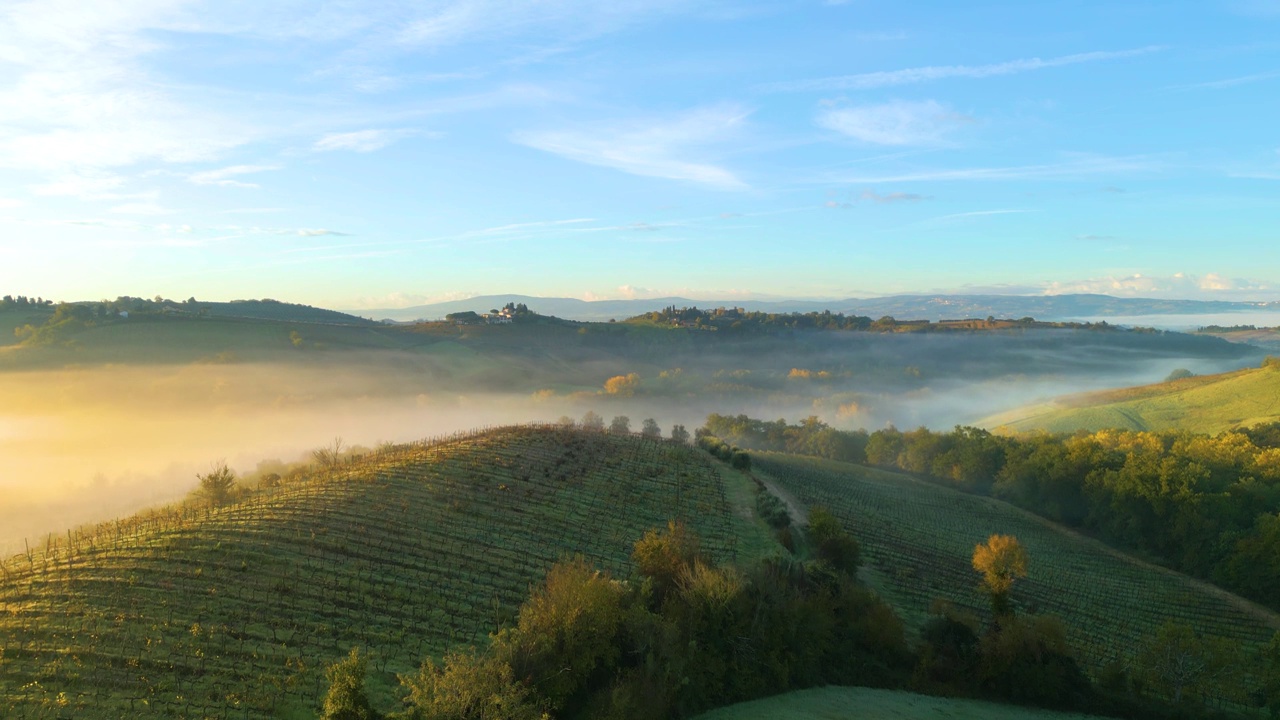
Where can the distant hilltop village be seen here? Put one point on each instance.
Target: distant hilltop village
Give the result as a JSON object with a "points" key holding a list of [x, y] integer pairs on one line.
{"points": [[506, 315]]}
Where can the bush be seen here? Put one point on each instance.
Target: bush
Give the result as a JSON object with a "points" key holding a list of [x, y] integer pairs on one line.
{"points": [[347, 699], [771, 509], [468, 687], [832, 544]]}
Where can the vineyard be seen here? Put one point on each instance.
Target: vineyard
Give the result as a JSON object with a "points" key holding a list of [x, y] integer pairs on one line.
{"points": [[918, 540], [233, 612]]}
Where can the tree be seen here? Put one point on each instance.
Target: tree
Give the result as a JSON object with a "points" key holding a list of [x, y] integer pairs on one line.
{"points": [[621, 425], [347, 699], [217, 485], [592, 421], [650, 429], [1176, 660], [295, 337], [329, 455], [468, 687], [622, 385], [1001, 560], [666, 556], [679, 434], [834, 545]]}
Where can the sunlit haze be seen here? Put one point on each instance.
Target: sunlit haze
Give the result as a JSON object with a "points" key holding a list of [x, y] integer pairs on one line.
{"points": [[385, 154]]}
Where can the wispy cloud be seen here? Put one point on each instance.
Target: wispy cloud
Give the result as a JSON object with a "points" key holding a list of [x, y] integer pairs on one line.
{"points": [[910, 76], [652, 149], [893, 197], [141, 208], [1077, 167], [314, 232], [894, 123], [223, 176], [1230, 82], [362, 140], [455, 21]]}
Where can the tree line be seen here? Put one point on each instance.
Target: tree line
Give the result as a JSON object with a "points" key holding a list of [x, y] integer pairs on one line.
{"points": [[738, 319], [1206, 505]]}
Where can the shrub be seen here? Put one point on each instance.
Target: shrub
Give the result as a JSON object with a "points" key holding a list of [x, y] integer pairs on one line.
{"points": [[347, 699]]}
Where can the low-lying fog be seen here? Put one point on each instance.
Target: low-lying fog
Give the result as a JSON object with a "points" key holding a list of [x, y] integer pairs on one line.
{"points": [[1186, 322], [82, 445]]}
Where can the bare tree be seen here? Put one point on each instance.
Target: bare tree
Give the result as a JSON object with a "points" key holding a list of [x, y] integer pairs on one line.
{"points": [[329, 455]]}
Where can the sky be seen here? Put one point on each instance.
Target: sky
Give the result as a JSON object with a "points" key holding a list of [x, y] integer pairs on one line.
{"points": [[358, 155]]}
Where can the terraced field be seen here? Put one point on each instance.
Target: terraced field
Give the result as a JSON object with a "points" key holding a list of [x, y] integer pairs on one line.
{"points": [[233, 612], [918, 541]]}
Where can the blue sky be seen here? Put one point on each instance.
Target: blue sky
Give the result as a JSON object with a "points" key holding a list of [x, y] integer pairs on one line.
{"points": [[362, 154]]}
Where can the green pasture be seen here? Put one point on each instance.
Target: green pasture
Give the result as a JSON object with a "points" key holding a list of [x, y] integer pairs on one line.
{"points": [[233, 612], [855, 703], [918, 540], [1209, 404]]}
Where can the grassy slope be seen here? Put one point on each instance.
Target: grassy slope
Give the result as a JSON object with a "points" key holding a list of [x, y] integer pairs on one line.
{"points": [[1207, 404], [918, 542], [840, 703], [234, 612]]}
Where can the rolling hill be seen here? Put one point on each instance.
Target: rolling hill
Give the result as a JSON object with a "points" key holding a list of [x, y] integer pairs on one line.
{"points": [[1204, 404], [232, 612], [933, 307], [917, 543]]}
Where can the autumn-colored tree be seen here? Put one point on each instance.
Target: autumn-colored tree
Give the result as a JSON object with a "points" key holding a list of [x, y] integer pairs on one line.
{"points": [[623, 385], [1001, 560], [665, 556]]}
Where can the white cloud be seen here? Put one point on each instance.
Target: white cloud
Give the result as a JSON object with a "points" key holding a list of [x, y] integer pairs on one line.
{"points": [[222, 176], [894, 123], [361, 140], [77, 96], [1171, 286], [654, 149], [10, 203], [910, 76]]}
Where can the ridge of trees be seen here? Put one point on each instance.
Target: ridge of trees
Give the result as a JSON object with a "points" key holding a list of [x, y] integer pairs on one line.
{"points": [[1208, 506], [738, 319]]}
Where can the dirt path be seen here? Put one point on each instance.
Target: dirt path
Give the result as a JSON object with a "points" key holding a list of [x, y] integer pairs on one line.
{"points": [[796, 509]]}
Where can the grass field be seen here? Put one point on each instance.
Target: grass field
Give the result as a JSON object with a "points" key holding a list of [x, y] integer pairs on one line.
{"points": [[233, 612], [1207, 404], [918, 539], [848, 703]]}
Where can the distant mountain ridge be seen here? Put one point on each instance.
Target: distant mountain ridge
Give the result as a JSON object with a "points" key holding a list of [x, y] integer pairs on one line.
{"points": [[902, 307]]}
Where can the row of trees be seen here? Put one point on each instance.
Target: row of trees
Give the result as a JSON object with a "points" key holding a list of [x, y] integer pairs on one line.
{"points": [[621, 425], [1210, 506], [739, 320]]}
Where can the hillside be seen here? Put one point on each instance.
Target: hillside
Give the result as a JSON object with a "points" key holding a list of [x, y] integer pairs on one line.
{"points": [[1205, 404], [918, 539], [233, 612], [854, 703]]}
